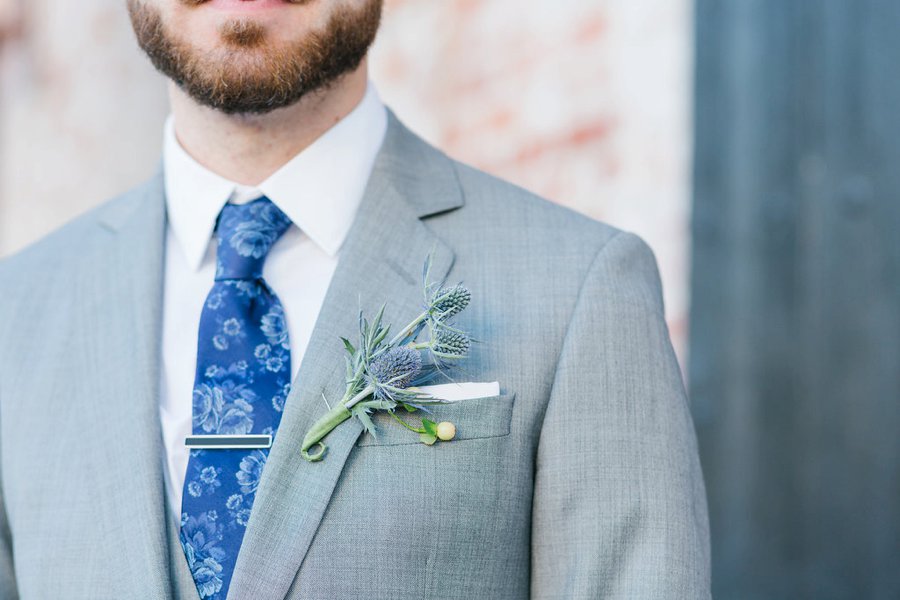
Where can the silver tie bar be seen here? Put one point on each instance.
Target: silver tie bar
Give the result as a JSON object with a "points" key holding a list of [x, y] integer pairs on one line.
{"points": [[227, 442]]}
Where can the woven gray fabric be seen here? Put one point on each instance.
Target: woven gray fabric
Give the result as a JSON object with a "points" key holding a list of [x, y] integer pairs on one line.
{"points": [[580, 480]]}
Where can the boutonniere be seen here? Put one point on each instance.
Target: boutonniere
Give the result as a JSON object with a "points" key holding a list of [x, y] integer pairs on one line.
{"points": [[383, 374]]}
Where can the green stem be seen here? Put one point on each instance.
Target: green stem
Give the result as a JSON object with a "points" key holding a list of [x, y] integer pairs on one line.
{"points": [[408, 329], [405, 424], [320, 429], [366, 391]]}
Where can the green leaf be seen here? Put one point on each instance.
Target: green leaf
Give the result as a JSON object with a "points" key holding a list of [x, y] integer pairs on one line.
{"points": [[366, 421], [382, 333], [430, 427], [377, 321], [348, 346], [408, 407], [428, 438]]}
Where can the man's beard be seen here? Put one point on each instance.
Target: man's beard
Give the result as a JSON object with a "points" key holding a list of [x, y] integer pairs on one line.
{"points": [[248, 75]]}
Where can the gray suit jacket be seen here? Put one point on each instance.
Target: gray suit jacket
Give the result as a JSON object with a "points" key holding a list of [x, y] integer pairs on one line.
{"points": [[580, 480]]}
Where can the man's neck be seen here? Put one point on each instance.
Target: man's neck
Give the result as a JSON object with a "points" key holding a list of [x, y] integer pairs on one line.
{"points": [[247, 149]]}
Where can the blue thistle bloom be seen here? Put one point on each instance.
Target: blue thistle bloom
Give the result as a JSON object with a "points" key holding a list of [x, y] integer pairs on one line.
{"points": [[448, 302], [396, 367], [450, 343]]}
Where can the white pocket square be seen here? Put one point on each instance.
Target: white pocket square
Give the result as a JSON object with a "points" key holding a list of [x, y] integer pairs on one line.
{"points": [[453, 392]]}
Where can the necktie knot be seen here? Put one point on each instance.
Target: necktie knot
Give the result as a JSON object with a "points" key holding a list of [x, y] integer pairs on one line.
{"points": [[245, 233]]}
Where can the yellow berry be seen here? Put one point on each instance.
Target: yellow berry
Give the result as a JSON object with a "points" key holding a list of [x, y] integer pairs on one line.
{"points": [[446, 431]]}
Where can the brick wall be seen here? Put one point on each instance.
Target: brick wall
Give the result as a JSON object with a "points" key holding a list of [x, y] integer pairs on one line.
{"points": [[81, 113], [586, 103]]}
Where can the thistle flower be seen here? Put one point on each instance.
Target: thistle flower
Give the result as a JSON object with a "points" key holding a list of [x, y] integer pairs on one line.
{"points": [[450, 343], [397, 367], [448, 302]]}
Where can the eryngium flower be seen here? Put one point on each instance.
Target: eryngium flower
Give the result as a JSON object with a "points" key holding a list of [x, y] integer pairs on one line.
{"points": [[450, 343], [448, 302], [396, 367]]}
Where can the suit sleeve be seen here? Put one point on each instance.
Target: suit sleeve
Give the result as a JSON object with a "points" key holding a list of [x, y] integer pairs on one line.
{"points": [[619, 505]]}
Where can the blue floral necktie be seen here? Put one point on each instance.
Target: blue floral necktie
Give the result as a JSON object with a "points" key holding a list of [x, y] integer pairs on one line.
{"points": [[243, 377]]}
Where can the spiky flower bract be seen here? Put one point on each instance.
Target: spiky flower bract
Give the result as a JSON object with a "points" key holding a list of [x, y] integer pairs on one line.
{"points": [[449, 302], [450, 343]]}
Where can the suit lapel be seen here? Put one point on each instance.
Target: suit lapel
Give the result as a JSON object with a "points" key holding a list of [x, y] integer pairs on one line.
{"points": [[380, 263], [123, 436]]}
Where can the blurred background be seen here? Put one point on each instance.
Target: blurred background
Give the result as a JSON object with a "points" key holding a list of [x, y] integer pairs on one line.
{"points": [[755, 144]]}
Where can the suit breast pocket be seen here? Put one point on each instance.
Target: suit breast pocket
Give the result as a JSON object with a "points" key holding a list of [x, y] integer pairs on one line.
{"points": [[474, 418]]}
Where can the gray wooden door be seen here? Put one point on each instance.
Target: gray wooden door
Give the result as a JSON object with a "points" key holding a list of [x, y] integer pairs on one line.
{"points": [[795, 319]]}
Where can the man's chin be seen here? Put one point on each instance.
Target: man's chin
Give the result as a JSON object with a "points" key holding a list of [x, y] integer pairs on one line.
{"points": [[240, 64]]}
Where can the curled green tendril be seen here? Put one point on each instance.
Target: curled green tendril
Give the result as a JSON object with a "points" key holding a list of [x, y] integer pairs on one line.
{"points": [[320, 429], [315, 456]]}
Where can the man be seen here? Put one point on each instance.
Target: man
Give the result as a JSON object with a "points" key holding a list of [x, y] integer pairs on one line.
{"points": [[211, 300]]}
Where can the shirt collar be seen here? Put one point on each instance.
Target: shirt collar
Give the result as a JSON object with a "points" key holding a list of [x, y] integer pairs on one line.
{"points": [[319, 189]]}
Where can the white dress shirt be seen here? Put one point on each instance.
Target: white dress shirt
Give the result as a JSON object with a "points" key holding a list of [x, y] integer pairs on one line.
{"points": [[319, 189]]}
